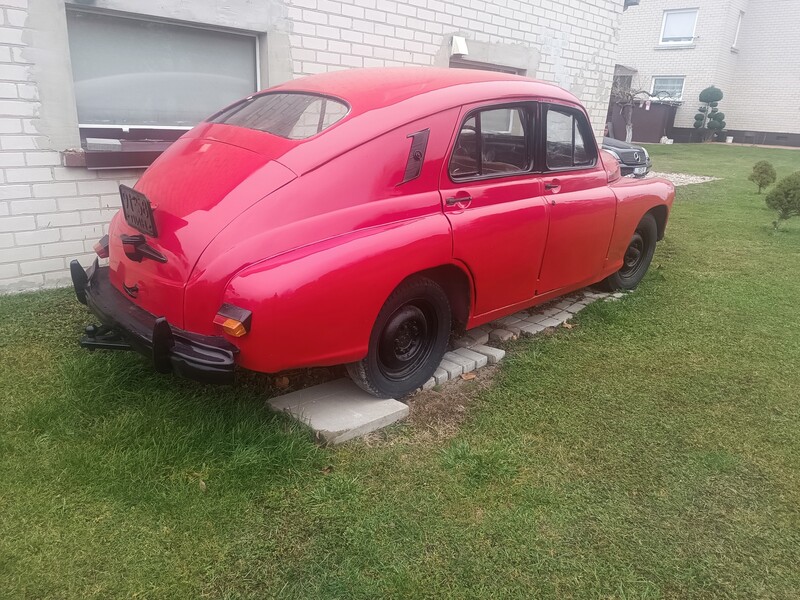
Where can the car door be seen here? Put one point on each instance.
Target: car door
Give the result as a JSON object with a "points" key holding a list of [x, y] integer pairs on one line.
{"points": [[493, 199], [582, 206]]}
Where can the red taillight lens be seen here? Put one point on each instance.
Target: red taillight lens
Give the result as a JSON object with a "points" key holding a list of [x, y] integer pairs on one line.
{"points": [[233, 320], [101, 247]]}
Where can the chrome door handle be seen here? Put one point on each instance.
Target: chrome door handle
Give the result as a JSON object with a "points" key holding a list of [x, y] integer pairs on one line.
{"points": [[551, 186], [457, 200]]}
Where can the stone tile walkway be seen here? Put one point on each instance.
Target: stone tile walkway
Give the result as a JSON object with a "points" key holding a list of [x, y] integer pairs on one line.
{"points": [[338, 410]]}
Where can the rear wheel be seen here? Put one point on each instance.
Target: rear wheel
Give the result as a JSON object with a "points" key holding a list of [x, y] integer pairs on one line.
{"points": [[637, 256], [407, 342]]}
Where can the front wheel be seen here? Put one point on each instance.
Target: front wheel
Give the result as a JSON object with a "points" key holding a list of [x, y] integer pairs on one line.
{"points": [[637, 256], [407, 342]]}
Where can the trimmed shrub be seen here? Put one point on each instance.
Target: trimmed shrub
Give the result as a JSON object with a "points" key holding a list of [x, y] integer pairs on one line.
{"points": [[711, 95], [709, 120], [763, 174], [785, 198]]}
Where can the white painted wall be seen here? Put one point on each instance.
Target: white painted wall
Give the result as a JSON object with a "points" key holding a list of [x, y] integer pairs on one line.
{"points": [[764, 68], [50, 214], [765, 95]]}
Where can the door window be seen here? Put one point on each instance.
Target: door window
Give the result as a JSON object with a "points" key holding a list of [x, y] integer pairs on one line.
{"points": [[492, 143], [567, 135]]}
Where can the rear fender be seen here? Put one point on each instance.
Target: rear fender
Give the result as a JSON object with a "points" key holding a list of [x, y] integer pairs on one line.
{"points": [[315, 306], [635, 197]]}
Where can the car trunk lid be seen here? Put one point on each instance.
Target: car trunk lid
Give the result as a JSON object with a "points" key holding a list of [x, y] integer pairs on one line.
{"points": [[195, 189]]}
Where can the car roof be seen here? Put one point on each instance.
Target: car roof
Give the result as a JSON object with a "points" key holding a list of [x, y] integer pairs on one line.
{"points": [[383, 99], [367, 89]]}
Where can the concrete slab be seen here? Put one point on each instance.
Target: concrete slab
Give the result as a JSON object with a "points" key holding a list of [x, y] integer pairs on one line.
{"points": [[480, 359], [510, 320], [465, 363], [493, 355], [550, 322], [533, 328], [563, 304], [563, 316], [534, 319], [502, 335], [453, 370], [339, 410], [478, 335], [463, 342], [441, 376]]}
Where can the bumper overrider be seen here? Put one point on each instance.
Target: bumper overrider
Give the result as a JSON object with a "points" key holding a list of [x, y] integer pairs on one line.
{"points": [[125, 326]]}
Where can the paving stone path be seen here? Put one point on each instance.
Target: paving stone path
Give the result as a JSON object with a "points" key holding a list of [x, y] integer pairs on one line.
{"points": [[338, 410]]}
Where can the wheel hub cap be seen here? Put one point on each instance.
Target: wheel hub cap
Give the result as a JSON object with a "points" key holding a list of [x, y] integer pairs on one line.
{"points": [[634, 253], [405, 342]]}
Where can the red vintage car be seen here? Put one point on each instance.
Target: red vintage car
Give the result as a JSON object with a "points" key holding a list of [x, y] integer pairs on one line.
{"points": [[356, 218]]}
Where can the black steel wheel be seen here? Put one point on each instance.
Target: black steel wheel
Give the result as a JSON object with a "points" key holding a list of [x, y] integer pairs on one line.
{"points": [[637, 256], [407, 342]]}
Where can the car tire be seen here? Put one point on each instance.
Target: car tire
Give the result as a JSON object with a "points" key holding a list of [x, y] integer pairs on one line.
{"points": [[637, 257], [407, 342]]}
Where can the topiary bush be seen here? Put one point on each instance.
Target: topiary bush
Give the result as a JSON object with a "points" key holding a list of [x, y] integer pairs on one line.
{"points": [[785, 198], [763, 174], [709, 120], [711, 94]]}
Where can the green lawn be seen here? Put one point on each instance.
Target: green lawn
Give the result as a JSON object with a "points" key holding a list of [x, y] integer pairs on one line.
{"points": [[653, 451]]}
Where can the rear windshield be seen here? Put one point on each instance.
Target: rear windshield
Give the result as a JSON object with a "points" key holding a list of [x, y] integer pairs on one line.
{"points": [[289, 115]]}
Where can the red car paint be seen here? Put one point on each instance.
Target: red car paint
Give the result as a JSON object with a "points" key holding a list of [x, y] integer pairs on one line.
{"points": [[313, 235]]}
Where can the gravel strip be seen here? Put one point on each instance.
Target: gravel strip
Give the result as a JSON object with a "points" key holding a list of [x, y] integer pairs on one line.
{"points": [[682, 178]]}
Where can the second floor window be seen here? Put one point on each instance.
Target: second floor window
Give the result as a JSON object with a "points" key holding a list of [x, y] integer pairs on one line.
{"points": [[678, 26]]}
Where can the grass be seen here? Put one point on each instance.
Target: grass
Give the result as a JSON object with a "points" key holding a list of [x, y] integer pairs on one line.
{"points": [[651, 452]]}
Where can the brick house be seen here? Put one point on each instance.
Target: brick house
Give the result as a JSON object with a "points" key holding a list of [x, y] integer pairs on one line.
{"points": [[92, 90], [747, 48]]}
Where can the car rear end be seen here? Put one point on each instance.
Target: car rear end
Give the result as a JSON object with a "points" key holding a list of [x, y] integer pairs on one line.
{"points": [[200, 185]]}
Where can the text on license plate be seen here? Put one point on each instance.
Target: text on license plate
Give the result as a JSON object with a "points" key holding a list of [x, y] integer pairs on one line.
{"points": [[137, 210]]}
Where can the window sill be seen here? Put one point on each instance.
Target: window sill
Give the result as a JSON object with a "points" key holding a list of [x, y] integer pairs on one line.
{"points": [[131, 156], [675, 46]]}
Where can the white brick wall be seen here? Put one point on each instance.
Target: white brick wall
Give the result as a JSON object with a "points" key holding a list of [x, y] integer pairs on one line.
{"points": [[703, 63], [50, 214], [765, 70], [576, 38], [766, 94]]}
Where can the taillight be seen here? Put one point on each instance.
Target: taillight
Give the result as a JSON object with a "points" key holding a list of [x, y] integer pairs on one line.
{"points": [[101, 247], [233, 320]]}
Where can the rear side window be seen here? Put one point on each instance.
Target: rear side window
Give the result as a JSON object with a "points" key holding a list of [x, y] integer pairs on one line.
{"points": [[492, 143], [289, 115], [567, 133]]}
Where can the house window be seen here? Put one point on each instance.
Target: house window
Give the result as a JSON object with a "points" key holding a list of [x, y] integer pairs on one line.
{"points": [[139, 84], [678, 26], [134, 72], [738, 29], [668, 88]]}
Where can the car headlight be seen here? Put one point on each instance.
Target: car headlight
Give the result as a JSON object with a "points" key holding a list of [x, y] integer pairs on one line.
{"points": [[612, 153], [646, 155]]}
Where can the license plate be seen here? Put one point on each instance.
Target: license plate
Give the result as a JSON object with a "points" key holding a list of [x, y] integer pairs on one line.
{"points": [[640, 170], [137, 210]]}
